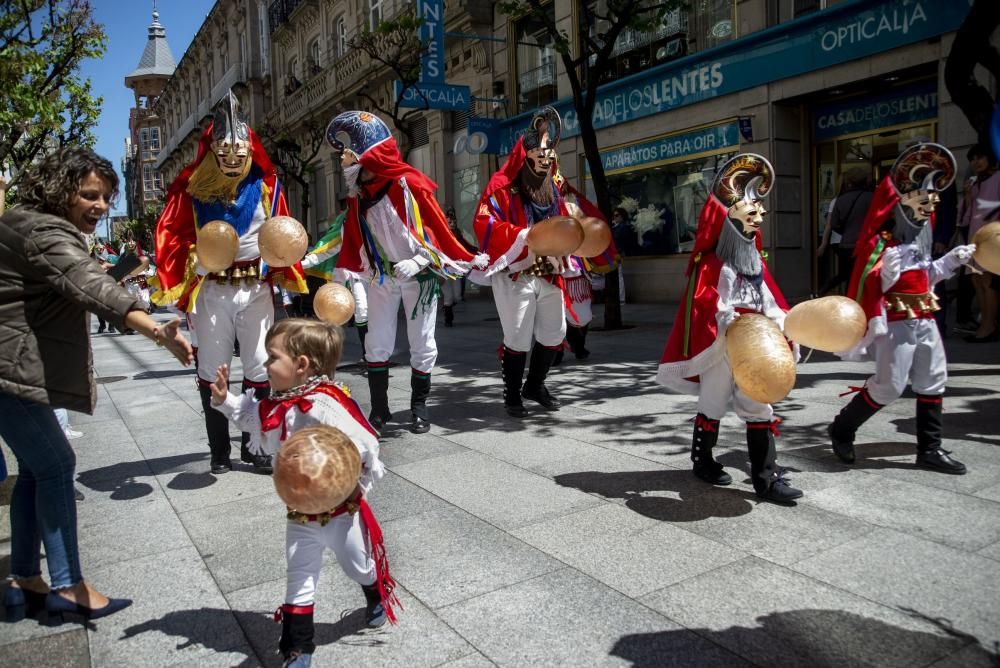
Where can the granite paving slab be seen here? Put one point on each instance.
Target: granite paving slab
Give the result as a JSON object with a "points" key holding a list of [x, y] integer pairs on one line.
{"points": [[919, 576], [66, 649]]}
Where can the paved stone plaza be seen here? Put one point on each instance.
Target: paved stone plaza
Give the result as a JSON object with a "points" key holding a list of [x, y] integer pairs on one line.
{"points": [[572, 538]]}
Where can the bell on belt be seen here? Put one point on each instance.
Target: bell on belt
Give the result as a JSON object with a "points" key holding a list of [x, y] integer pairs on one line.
{"points": [[236, 276], [897, 305], [922, 305], [221, 276], [910, 315], [935, 305]]}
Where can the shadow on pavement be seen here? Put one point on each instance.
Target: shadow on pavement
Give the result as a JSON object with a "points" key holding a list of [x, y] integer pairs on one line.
{"points": [[816, 638], [202, 627], [120, 479], [698, 501]]}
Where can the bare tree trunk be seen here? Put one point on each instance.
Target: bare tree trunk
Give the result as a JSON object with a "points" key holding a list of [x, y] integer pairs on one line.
{"points": [[971, 47]]}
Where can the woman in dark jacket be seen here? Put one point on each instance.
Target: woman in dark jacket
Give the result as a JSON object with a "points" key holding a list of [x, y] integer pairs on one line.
{"points": [[48, 283]]}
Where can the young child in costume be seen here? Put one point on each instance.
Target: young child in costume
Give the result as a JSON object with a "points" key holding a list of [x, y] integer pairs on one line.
{"points": [[893, 280], [727, 277], [302, 356]]}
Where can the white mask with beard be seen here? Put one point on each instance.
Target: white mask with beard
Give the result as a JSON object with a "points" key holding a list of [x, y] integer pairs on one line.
{"points": [[351, 175]]}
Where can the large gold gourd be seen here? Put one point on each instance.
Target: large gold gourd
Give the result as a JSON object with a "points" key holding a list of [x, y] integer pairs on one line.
{"points": [[334, 303], [555, 236], [216, 246], [832, 324], [762, 363], [282, 241], [316, 469], [987, 241]]}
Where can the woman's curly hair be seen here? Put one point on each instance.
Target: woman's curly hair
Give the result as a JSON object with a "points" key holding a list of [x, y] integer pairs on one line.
{"points": [[50, 184]]}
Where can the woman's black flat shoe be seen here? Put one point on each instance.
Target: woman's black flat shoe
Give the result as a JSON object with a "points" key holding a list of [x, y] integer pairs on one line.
{"points": [[58, 607], [20, 603]]}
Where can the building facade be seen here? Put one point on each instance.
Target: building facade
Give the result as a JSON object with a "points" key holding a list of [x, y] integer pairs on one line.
{"points": [[818, 88], [229, 51], [143, 182]]}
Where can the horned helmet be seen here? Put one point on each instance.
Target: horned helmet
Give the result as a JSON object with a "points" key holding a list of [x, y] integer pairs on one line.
{"points": [[230, 137], [919, 174]]}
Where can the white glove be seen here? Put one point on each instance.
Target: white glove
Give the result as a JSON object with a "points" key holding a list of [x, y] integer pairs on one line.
{"points": [[406, 269], [960, 254], [892, 266]]}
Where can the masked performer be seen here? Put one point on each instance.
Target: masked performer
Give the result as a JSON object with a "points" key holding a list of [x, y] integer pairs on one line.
{"points": [[529, 291], [893, 280], [231, 180], [727, 277], [396, 234]]}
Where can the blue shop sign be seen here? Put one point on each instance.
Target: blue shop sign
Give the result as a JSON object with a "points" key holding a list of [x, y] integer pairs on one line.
{"points": [[434, 96], [431, 33], [905, 105], [847, 31], [672, 147]]}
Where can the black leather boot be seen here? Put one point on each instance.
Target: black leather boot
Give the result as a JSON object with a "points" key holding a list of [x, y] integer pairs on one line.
{"points": [[449, 316], [706, 435], [261, 463], [534, 384], [296, 644], [768, 479], [930, 454], [420, 389], [512, 365], [845, 425], [362, 331], [378, 386], [217, 427], [577, 338], [374, 611]]}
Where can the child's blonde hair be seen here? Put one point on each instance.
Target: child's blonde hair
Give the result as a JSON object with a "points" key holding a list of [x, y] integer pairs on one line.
{"points": [[319, 341]]}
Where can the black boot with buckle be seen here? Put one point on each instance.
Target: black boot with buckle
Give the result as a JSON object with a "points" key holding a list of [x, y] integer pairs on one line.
{"points": [[261, 463], [512, 365], [534, 384], [706, 435], [930, 454], [768, 478], [845, 425], [420, 389], [217, 427]]}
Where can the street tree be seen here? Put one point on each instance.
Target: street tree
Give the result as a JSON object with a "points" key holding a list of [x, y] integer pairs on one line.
{"points": [[601, 24], [47, 102], [395, 47], [295, 152], [972, 46]]}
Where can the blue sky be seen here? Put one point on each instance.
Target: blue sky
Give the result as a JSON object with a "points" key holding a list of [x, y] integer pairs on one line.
{"points": [[126, 24]]}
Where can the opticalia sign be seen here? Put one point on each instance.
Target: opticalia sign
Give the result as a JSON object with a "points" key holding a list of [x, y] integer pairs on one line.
{"points": [[847, 31], [434, 96]]}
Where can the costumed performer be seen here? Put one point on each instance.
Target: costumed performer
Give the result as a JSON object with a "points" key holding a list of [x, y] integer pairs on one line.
{"points": [[230, 180], [302, 359], [727, 277], [529, 291], [396, 234], [893, 280]]}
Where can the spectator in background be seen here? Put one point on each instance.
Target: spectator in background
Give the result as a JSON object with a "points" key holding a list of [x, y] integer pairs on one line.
{"points": [[847, 215], [979, 207]]}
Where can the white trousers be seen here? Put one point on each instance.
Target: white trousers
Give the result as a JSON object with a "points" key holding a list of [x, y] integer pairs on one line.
{"points": [[451, 291], [357, 288], [717, 389], [227, 313], [383, 311], [529, 307], [304, 545], [912, 353], [584, 313]]}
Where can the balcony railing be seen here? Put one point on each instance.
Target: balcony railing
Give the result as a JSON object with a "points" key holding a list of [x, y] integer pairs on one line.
{"points": [[543, 75], [278, 12]]}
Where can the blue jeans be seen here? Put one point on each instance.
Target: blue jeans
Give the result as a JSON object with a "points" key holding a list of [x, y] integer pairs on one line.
{"points": [[42, 507]]}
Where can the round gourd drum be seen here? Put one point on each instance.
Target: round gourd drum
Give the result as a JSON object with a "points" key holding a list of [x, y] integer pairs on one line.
{"points": [[217, 245], [282, 241], [596, 237], [316, 469], [987, 241], [759, 356], [832, 324], [555, 236], [334, 303]]}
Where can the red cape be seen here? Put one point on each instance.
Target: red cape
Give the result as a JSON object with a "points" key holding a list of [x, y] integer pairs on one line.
{"points": [[176, 229], [385, 163]]}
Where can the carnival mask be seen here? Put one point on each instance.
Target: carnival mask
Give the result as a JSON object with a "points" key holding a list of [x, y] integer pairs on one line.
{"points": [[919, 174], [540, 142], [230, 137], [919, 205], [748, 214]]}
